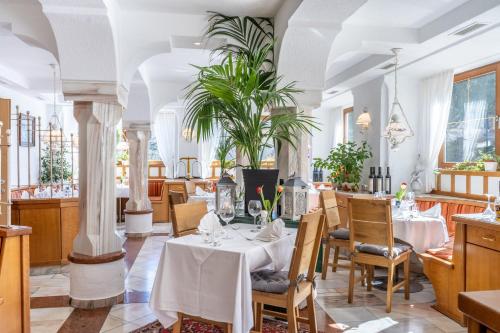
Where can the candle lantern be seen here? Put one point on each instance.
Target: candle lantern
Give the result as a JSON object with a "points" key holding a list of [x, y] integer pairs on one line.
{"points": [[294, 200], [225, 190]]}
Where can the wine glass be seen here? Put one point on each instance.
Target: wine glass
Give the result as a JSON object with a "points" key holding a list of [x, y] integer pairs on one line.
{"points": [[227, 213], [254, 208], [410, 198], [488, 212]]}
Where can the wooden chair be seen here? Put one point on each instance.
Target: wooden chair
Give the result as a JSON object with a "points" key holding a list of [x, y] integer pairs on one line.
{"points": [[371, 225], [295, 285], [333, 236], [158, 197], [176, 198], [187, 216]]}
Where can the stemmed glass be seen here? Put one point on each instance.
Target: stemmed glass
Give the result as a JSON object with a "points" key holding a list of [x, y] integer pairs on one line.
{"points": [[488, 212], [227, 213], [254, 208]]}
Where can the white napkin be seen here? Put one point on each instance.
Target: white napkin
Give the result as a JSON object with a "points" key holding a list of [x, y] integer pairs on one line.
{"points": [[272, 231], [434, 211], [200, 191], [210, 222]]}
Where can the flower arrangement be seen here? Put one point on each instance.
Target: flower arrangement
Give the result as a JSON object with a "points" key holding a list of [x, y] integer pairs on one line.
{"points": [[402, 192], [266, 204]]}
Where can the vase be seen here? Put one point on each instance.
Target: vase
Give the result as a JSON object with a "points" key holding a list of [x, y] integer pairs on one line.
{"points": [[259, 177], [240, 208], [490, 166], [264, 218]]}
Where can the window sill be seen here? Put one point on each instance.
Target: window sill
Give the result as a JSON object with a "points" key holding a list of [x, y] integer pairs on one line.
{"points": [[470, 173]]}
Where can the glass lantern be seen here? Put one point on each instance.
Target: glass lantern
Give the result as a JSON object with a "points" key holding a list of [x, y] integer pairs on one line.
{"points": [[295, 198], [225, 190]]}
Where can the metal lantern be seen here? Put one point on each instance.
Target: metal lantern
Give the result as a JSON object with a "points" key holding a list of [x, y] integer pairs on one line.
{"points": [[294, 200], [225, 190]]}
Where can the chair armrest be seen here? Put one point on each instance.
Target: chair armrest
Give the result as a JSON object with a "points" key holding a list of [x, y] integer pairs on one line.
{"points": [[429, 257]]}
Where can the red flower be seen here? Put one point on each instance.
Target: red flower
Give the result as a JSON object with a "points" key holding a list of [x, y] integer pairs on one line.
{"points": [[259, 189], [280, 189]]}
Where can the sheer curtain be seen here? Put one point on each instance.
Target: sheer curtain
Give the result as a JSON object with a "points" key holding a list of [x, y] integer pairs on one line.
{"points": [[475, 113], [208, 150], [166, 133], [437, 91]]}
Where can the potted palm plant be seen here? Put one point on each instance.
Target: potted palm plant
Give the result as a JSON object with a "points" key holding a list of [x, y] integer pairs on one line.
{"points": [[239, 93]]}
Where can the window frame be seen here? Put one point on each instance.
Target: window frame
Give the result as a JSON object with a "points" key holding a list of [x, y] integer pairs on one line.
{"points": [[345, 114], [470, 74]]}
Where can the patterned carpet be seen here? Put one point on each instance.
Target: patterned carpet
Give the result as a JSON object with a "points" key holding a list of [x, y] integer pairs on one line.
{"points": [[191, 326]]}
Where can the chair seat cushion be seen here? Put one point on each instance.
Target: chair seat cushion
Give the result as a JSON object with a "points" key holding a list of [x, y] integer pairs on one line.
{"points": [[340, 233], [445, 252], [379, 250], [270, 282], [155, 198]]}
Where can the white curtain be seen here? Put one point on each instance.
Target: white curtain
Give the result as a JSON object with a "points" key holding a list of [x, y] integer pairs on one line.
{"points": [[167, 138], [436, 102], [208, 150], [475, 111]]}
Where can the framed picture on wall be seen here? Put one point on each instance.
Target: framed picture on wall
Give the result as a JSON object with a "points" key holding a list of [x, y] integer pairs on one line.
{"points": [[26, 130]]}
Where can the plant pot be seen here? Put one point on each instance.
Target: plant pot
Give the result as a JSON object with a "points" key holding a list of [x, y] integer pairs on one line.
{"points": [[260, 177], [490, 166]]}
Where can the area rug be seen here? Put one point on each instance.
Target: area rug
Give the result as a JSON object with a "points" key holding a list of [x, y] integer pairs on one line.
{"points": [[191, 326]]}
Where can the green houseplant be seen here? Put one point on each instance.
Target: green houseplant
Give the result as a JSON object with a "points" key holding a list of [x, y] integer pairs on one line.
{"points": [[223, 154], [345, 164], [239, 93]]}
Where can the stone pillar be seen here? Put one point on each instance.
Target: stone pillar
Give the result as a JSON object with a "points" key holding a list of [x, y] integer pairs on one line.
{"points": [[138, 212], [97, 270]]}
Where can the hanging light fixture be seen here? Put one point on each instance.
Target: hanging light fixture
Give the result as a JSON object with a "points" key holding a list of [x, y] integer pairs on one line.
{"points": [[54, 128], [398, 129]]}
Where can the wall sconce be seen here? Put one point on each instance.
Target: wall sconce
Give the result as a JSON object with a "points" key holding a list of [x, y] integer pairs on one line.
{"points": [[364, 120], [188, 134]]}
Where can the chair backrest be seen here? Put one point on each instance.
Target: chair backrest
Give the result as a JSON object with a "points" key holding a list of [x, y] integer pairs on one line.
{"points": [[155, 187], [328, 203], [370, 222], [175, 198], [189, 187], [307, 244], [187, 217]]}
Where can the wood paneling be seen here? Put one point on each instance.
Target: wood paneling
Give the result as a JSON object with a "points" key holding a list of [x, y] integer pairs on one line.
{"points": [[14, 281], [55, 224], [5, 108]]}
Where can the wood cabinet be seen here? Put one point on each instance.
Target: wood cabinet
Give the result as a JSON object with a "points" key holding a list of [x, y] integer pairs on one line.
{"points": [[55, 224], [14, 279]]}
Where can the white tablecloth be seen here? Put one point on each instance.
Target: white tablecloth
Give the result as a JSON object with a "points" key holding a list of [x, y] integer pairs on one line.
{"points": [[214, 282], [121, 191], [421, 232]]}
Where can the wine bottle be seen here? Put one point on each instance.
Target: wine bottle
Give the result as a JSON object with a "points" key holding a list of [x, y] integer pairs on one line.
{"points": [[380, 180], [388, 182], [315, 174], [371, 181], [320, 175]]}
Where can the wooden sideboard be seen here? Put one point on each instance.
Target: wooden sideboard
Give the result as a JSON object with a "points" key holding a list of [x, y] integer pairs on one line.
{"points": [[473, 266], [55, 223], [14, 279]]}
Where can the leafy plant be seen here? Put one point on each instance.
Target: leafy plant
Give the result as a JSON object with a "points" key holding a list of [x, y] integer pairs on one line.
{"points": [[468, 166], [400, 194], [222, 154], [485, 157], [345, 162], [239, 93], [266, 203], [60, 166]]}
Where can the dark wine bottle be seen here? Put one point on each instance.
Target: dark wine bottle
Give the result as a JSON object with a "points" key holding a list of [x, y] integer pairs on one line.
{"points": [[388, 181], [371, 181], [380, 180], [320, 175]]}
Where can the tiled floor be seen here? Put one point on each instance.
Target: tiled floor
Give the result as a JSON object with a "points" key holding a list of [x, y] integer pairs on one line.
{"points": [[367, 313]]}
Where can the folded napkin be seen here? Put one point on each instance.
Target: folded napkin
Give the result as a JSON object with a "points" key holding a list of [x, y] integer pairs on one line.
{"points": [[200, 191], [272, 231], [434, 211], [210, 222]]}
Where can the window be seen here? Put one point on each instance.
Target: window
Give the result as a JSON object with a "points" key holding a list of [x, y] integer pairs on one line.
{"points": [[473, 116], [153, 153], [348, 125]]}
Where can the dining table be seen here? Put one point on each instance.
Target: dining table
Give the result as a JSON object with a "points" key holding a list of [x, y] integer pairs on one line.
{"points": [[198, 278]]}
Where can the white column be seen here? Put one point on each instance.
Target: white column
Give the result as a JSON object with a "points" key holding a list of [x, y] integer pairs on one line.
{"points": [[97, 276], [138, 213]]}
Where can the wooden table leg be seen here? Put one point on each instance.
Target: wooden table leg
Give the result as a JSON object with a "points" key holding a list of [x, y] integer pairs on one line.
{"points": [[176, 328]]}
